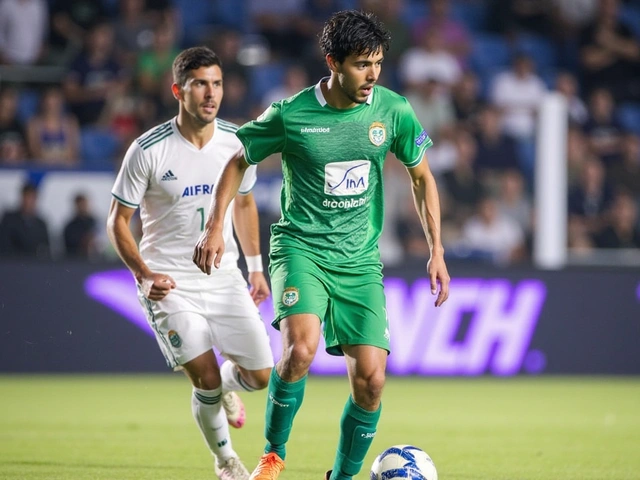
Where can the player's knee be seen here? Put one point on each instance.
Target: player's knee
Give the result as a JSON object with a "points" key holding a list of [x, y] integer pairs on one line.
{"points": [[368, 390], [259, 379], [209, 380], [297, 358]]}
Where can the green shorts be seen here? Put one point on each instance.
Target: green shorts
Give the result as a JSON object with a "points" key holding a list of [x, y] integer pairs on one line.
{"points": [[350, 305]]}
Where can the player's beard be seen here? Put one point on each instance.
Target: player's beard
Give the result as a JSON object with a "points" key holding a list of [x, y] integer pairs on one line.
{"points": [[352, 92], [205, 119]]}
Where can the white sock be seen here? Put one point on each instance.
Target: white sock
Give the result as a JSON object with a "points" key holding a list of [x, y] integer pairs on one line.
{"points": [[207, 410], [231, 379]]}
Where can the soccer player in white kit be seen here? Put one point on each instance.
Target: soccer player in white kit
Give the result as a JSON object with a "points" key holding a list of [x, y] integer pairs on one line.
{"points": [[169, 173]]}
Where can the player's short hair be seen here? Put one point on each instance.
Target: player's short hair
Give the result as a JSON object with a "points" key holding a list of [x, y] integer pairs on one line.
{"points": [[192, 59], [351, 32]]}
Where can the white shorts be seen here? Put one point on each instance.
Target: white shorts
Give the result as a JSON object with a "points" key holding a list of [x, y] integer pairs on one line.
{"points": [[215, 312]]}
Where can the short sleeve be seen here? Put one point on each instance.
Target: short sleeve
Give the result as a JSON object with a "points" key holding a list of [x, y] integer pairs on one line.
{"points": [[411, 140], [264, 136], [249, 180], [133, 179]]}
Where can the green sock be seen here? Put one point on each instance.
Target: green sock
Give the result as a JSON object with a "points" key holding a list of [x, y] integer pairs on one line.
{"points": [[283, 402], [357, 429]]}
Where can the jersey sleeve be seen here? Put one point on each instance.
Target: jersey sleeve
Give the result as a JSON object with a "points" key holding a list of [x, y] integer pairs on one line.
{"points": [[264, 136], [133, 179], [411, 140], [249, 180]]}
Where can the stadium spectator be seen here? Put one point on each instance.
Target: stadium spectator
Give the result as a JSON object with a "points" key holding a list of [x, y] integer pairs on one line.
{"points": [[621, 230], [80, 230], [429, 59], [567, 85], [13, 138], [455, 35], [467, 102], [492, 234], [295, 79], [71, 21], [23, 31], [518, 92], [513, 199], [282, 24], [53, 134], [591, 198], [603, 130], [133, 31], [626, 173], [22, 232], [496, 151], [94, 76], [156, 62], [610, 55], [463, 187], [433, 107]]}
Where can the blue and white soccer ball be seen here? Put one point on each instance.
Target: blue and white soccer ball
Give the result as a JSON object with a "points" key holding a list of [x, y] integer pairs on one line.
{"points": [[403, 462]]}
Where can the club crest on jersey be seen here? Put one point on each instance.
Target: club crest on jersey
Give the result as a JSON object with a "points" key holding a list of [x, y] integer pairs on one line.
{"points": [[174, 338], [377, 133], [290, 296]]}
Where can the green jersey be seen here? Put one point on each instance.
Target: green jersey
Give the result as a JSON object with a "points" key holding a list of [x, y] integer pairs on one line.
{"points": [[332, 192]]}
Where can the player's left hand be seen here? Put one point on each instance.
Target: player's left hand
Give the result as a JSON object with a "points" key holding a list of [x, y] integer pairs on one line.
{"points": [[259, 287], [438, 274]]}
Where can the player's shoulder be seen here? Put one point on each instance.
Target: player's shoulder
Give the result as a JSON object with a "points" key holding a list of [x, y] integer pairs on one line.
{"points": [[387, 97], [155, 135], [300, 99], [226, 127]]}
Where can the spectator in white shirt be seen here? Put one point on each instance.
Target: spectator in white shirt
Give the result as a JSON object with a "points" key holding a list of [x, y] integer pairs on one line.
{"points": [[23, 28], [518, 93]]}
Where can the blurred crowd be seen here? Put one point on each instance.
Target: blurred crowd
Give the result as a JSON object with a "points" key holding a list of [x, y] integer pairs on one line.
{"points": [[475, 72]]}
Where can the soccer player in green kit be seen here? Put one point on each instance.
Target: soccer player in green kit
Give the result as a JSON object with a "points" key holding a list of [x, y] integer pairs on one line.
{"points": [[325, 264]]}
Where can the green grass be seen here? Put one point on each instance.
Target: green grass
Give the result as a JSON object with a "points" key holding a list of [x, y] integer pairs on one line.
{"points": [[140, 427]]}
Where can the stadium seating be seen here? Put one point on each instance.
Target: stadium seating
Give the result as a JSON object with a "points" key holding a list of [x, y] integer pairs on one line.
{"points": [[98, 148]]}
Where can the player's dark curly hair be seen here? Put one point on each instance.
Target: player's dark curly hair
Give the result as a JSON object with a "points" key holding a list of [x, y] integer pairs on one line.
{"points": [[192, 59], [351, 32]]}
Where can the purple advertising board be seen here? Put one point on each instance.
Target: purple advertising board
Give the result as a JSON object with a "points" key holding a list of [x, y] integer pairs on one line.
{"points": [[77, 317]]}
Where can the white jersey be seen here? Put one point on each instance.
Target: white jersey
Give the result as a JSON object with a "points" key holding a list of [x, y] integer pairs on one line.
{"points": [[172, 182]]}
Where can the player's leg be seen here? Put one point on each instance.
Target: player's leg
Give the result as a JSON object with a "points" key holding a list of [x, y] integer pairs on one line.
{"points": [[359, 328], [300, 337], [240, 335], [186, 341], [300, 301], [366, 367]]}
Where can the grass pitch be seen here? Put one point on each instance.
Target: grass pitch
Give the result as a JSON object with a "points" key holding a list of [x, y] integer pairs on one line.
{"points": [[140, 427]]}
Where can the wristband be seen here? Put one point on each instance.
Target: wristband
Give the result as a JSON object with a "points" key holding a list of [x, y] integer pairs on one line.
{"points": [[254, 263]]}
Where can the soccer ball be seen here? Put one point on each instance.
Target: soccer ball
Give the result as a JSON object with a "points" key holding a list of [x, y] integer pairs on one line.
{"points": [[403, 462]]}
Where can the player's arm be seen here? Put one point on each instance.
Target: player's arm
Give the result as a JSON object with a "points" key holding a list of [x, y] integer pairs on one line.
{"points": [[425, 196], [247, 226], [210, 247], [154, 285]]}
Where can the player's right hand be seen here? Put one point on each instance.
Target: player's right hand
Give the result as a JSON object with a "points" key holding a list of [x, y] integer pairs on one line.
{"points": [[157, 286], [208, 250]]}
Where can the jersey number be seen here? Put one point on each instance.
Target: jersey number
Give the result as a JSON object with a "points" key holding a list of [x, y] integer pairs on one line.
{"points": [[201, 211]]}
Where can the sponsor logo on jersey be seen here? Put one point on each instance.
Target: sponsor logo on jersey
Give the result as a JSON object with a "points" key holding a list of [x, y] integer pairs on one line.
{"points": [[315, 130], [344, 204], [174, 338], [346, 178], [168, 175], [290, 296], [377, 133], [194, 190], [421, 138]]}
